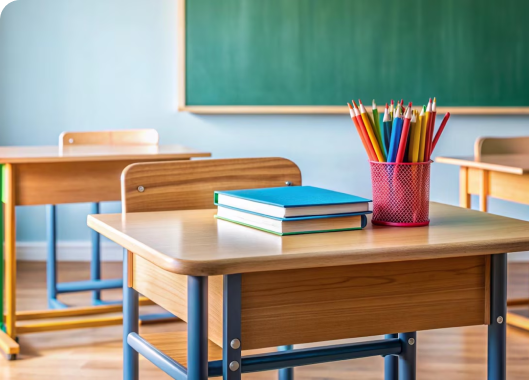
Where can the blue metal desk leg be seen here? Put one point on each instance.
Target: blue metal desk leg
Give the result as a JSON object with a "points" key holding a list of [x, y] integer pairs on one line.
{"points": [[391, 363], [95, 263], [130, 324], [231, 335], [498, 309], [286, 373], [51, 261], [408, 356], [197, 328]]}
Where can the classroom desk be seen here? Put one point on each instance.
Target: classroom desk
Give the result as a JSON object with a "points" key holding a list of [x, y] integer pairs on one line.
{"points": [[504, 176], [312, 288], [43, 175]]}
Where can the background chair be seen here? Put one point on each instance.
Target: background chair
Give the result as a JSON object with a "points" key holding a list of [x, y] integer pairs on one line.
{"points": [[189, 185], [501, 145], [67, 139]]}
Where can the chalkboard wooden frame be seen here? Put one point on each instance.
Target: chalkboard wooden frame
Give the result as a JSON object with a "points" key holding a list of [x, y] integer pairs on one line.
{"points": [[182, 106]]}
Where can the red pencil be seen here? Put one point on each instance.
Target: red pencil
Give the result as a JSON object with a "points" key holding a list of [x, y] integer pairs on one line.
{"points": [[370, 151], [432, 128], [440, 130], [359, 130], [404, 134]]}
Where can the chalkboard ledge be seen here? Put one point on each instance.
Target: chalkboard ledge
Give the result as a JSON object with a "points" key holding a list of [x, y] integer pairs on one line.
{"points": [[340, 110]]}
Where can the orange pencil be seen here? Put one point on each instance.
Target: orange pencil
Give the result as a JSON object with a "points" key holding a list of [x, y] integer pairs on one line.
{"points": [[371, 152], [359, 130], [404, 134], [371, 132]]}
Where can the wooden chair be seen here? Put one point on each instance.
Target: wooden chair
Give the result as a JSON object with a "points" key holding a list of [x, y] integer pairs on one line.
{"points": [[120, 137], [501, 145], [186, 185]]}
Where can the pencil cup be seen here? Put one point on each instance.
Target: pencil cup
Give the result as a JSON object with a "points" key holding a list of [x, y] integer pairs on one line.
{"points": [[401, 193]]}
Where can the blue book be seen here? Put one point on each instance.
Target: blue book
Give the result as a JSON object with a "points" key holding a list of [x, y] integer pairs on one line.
{"points": [[292, 201]]}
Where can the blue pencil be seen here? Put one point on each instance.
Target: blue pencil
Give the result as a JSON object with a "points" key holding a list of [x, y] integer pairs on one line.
{"points": [[396, 131]]}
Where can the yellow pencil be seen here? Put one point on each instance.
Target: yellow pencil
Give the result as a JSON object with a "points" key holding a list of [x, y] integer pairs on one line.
{"points": [[422, 120], [369, 127], [414, 138]]}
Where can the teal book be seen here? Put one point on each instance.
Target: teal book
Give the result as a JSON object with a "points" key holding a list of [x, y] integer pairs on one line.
{"points": [[292, 201]]}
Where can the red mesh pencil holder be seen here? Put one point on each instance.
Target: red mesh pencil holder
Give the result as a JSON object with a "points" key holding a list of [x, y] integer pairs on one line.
{"points": [[401, 193]]}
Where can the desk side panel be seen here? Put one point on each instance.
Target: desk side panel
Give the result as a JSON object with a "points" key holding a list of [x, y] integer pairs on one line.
{"points": [[312, 305], [169, 290], [69, 182], [506, 186]]}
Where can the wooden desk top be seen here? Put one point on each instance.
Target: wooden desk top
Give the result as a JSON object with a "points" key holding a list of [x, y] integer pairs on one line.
{"points": [[507, 163], [42, 154], [193, 242]]}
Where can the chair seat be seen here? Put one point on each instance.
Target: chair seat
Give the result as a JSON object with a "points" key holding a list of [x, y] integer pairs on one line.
{"points": [[174, 345]]}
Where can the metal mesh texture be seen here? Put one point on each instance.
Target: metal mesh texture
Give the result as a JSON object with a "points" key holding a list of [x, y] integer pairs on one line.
{"points": [[401, 192]]}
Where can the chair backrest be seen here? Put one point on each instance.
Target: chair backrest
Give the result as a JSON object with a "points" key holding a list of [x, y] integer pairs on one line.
{"points": [[123, 137], [189, 185], [501, 145]]}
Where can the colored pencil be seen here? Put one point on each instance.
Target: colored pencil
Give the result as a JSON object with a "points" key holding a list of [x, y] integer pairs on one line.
{"points": [[432, 128], [440, 130], [386, 122], [422, 139], [415, 139], [359, 130], [395, 136], [378, 131], [358, 117], [428, 119], [404, 134], [369, 128]]}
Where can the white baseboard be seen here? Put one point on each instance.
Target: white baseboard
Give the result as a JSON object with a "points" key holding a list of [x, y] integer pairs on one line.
{"points": [[68, 251], [80, 251]]}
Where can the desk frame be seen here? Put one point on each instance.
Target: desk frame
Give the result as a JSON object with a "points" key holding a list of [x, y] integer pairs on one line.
{"points": [[44, 183], [400, 351]]}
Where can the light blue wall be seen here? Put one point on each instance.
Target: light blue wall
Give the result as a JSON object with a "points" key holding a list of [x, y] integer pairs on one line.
{"points": [[101, 64]]}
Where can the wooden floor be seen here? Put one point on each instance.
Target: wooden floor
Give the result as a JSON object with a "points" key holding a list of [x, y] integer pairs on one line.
{"points": [[455, 354]]}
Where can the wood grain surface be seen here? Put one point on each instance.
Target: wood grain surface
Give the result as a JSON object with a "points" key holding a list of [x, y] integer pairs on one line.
{"points": [[193, 242]]}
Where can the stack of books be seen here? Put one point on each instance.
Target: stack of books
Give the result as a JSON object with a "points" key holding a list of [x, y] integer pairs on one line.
{"points": [[293, 210]]}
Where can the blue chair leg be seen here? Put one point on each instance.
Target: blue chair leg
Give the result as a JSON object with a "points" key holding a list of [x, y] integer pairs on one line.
{"points": [[391, 363], [497, 333], [130, 325], [408, 356], [197, 328], [286, 373], [95, 263], [51, 262]]}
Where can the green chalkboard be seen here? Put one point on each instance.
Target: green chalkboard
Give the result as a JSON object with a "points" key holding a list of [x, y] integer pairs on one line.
{"points": [[467, 53]]}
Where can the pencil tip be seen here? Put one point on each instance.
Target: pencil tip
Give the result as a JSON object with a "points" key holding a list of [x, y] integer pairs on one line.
{"points": [[349, 105], [434, 99], [360, 101], [386, 105], [354, 103], [409, 104]]}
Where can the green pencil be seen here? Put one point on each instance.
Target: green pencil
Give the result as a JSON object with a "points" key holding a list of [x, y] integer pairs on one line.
{"points": [[378, 132]]}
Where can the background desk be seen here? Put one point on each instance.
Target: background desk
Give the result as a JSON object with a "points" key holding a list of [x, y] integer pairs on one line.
{"points": [[504, 176], [50, 175], [311, 288]]}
